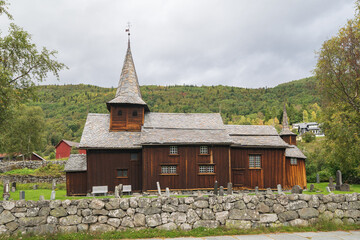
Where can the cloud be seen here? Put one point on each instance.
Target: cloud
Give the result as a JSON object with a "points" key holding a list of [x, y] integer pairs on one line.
{"points": [[238, 43]]}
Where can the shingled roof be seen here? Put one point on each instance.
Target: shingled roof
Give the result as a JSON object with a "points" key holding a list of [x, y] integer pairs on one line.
{"points": [[76, 163], [251, 130], [295, 152], [96, 134], [128, 90], [184, 120]]}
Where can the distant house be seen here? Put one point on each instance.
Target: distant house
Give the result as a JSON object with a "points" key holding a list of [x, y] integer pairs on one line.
{"points": [[18, 156], [35, 156], [308, 127], [63, 148]]}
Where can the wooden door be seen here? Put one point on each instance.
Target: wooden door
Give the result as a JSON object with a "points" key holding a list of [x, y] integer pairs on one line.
{"points": [[238, 177]]}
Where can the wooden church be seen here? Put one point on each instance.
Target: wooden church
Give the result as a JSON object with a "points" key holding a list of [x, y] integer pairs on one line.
{"points": [[134, 146]]}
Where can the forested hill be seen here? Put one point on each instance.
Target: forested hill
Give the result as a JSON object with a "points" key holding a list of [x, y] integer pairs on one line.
{"points": [[66, 106]]}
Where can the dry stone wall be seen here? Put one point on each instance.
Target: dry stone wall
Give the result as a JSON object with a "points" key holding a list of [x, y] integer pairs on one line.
{"points": [[6, 166], [31, 179], [235, 211]]}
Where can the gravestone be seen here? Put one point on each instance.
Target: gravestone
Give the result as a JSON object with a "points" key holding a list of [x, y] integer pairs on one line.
{"points": [[328, 189], [317, 178], [216, 188], [120, 187], [13, 186], [22, 195], [6, 194], [167, 192], [53, 184], [269, 191], [41, 198], [256, 190], [53, 194], [229, 189], [345, 187], [158, 188], [338, 180], [331, 184], [296, 189], [312, 187], [116, 192], [35, 187], [221, 191], [279, 189]]}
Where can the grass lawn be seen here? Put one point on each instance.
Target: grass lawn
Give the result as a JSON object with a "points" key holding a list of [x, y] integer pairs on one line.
{"points": [[322, 188]]}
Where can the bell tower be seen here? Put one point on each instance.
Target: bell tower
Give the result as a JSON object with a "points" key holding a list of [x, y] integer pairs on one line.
{"points": [[127, 109], [288, 136]]}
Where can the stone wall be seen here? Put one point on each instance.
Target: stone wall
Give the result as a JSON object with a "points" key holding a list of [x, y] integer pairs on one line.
{"points": [[32, 179], [239, 211], [6, 166]]}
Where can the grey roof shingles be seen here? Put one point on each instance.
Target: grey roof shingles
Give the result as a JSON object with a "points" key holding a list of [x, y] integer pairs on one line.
{"points": [[96, 134], [251, 130], [128, 90], [259, 141], [184, 120], [294, 151], [76, 163]]}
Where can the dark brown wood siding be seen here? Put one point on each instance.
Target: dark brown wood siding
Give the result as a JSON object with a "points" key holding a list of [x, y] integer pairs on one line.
{"points": [[126, 121], [188, 160], [102, 168], [289, 139], [76, 183], [271, 173], [295, 174]]}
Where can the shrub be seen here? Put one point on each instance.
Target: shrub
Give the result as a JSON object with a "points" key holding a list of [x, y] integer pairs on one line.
{"points": [[55, 170], [52, 155], [308, 137]]}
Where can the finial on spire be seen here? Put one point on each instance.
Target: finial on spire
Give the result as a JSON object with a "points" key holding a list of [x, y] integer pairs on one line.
{"points": [[128, 29]]}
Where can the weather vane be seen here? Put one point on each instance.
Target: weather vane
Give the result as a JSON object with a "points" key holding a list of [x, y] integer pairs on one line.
{"points": [[128, 28]]}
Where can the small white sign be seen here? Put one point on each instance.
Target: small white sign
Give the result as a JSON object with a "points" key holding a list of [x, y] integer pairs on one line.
{"points": [[126, 188]]}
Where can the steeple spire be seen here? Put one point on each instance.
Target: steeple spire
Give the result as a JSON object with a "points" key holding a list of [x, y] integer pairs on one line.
{"points": [[128, 90], [285, 124]]}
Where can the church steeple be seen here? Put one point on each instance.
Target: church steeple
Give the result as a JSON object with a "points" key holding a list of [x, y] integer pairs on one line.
{"points": [[128, 90], [127, 109], [288, 136]]}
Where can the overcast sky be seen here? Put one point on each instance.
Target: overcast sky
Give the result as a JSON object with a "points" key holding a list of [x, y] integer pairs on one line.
{"points": [[204, 42]]}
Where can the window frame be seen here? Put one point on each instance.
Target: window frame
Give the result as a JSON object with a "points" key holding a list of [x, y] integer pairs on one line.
{"points": [[169, 169], [207, 167], [204, 147], [120, 113], [135, 113], [171, 152], [255, 165], [292, 161], [132, 155], [124, 170]]}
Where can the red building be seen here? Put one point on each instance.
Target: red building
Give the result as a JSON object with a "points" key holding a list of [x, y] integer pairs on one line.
{"points": [[63, 148]]}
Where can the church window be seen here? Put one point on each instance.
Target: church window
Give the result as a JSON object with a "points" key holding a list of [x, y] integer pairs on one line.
{"points": [[206, 169], [134, 156], [173, 150], [293, 161], [120, 113], [122, 172], [168, 169], [135, 113], [204, 150], [254, 161]]}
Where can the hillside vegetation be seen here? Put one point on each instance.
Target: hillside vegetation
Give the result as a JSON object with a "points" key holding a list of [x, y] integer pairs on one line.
{"points": [[66, 106]]}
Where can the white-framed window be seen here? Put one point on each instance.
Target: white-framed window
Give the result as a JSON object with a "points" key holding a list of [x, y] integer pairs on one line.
{"points": [[204, 150], [173, 150], [168, 169], [206, 169], [254, 161], [293, 161]]}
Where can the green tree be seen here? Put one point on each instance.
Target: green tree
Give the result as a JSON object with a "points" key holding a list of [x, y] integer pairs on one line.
{"points": [[305, 116], [21, 65], [338, 72], [25, 133]]}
